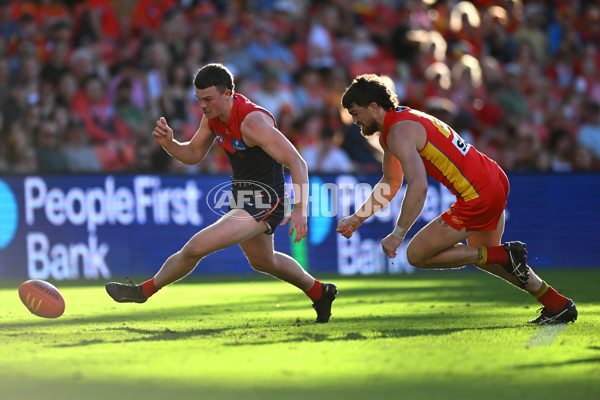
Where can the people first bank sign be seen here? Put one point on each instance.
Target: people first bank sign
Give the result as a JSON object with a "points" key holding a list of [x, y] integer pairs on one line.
{"points": [[79, 226]]}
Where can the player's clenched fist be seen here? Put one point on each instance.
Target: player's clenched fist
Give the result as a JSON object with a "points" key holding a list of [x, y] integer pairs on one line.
{"points": [[348, 225], [162, 133], [390, 245]]}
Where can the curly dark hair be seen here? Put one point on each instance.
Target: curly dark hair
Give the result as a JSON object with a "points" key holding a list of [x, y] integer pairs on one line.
{"points": [[216, 75], [368, 88]]}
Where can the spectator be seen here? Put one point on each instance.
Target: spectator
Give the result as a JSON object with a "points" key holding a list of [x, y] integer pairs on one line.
{"points": [[8, 26], [321, 38], [111, 138], [5, 81], [147, 16], [133, 116], [237, 55], [128, 71], [81, 64], [584, 159], [498, 42], [66, 88], [362, 48], [19, 150], [56, 66], [47, 100], [588, 134], [268, 54], [196, 54], [50, 158], [309, 94], [532, 32], [28, 80], [325, 155], [510, 96], [177, 96], [561, 148], [95, 21], [527, 148], [158, 60], [174, 32], [80, 156], [273, 94]]}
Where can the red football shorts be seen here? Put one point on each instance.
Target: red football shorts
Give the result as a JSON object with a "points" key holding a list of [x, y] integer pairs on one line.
{"points": [[482, 213]]}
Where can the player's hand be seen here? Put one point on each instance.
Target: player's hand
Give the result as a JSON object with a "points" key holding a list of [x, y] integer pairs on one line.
{"points": [[348, 225], [390, 244], [299, 224], [162, 133]]}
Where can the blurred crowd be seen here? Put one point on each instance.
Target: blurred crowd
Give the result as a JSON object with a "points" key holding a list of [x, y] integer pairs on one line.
{"points": [[83, 82]]}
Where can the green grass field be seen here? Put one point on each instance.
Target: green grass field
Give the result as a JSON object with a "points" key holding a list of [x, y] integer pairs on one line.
{"points": [[430, 335]]}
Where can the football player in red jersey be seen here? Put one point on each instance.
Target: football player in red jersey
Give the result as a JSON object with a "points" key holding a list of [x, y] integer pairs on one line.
{"points": [[416, 145], [257, 152]]}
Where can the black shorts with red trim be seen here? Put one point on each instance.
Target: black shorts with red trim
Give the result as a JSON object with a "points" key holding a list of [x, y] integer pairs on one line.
{"points": [[267, 207]]}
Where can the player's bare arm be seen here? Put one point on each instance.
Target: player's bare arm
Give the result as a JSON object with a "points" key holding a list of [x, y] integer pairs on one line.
{"points": [[258, 130], [383, 192], [190, 152], [403, 140]]}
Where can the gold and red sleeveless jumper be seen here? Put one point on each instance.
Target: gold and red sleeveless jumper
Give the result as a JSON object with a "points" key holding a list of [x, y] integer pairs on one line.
{"points": [[479, 184]]}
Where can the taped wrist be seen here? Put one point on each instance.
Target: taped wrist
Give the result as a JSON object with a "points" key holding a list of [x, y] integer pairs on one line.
{"points": [[400, 233]]}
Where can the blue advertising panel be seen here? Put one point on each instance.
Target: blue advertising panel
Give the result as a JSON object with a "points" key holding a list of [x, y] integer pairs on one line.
{"points": [[98, 226], [557, 215]]}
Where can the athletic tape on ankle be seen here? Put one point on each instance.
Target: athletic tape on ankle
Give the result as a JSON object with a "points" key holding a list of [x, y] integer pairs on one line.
{"points": [[541, 291], [481, 256]]}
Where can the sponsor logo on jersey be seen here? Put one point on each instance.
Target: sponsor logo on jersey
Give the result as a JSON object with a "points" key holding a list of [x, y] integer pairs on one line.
{"points": [[237, 144], [456, 220]]}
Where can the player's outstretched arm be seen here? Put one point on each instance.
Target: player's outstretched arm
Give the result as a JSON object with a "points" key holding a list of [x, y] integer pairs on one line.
{"points": [[403, 141], [190, 152], [383, 192]]}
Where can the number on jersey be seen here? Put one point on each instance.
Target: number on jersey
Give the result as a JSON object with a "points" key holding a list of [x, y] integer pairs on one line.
{"points": [[445, 130]]}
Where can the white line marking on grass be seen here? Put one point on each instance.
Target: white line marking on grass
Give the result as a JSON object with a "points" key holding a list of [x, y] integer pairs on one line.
{"points": [[545, 335]]}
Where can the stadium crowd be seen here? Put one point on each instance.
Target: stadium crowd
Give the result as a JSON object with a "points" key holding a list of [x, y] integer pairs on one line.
{"points": [[83, 82]]}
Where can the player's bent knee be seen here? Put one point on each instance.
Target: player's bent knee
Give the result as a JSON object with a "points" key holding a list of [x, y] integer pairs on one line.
{"points": [[415, 259], [263, 265], [192, 253]]}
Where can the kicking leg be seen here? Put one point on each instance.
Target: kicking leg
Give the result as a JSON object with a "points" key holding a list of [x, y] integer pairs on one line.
{"points": [[236, 226]]}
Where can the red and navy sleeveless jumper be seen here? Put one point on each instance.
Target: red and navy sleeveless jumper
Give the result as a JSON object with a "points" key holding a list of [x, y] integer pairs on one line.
{"points": [[253, 169]]}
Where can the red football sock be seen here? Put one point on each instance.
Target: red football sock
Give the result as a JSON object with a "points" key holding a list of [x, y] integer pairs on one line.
{"points": [[315, 292], [550, 298], [148, 288], [497, 255]]}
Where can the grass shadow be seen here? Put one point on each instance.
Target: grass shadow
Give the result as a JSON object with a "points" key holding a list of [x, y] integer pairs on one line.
{"points": [[150, 335]]}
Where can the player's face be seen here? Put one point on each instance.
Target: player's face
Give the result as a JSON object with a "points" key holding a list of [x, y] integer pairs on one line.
{"points": [[363, 117], [212, 102]]}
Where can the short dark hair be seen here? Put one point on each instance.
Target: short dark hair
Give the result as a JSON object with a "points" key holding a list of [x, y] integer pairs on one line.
{"points": [[216, 75], [368, 88]]}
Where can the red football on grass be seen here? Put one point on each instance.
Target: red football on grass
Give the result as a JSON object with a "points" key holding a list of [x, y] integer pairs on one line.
{"points": [[42, 298]]}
